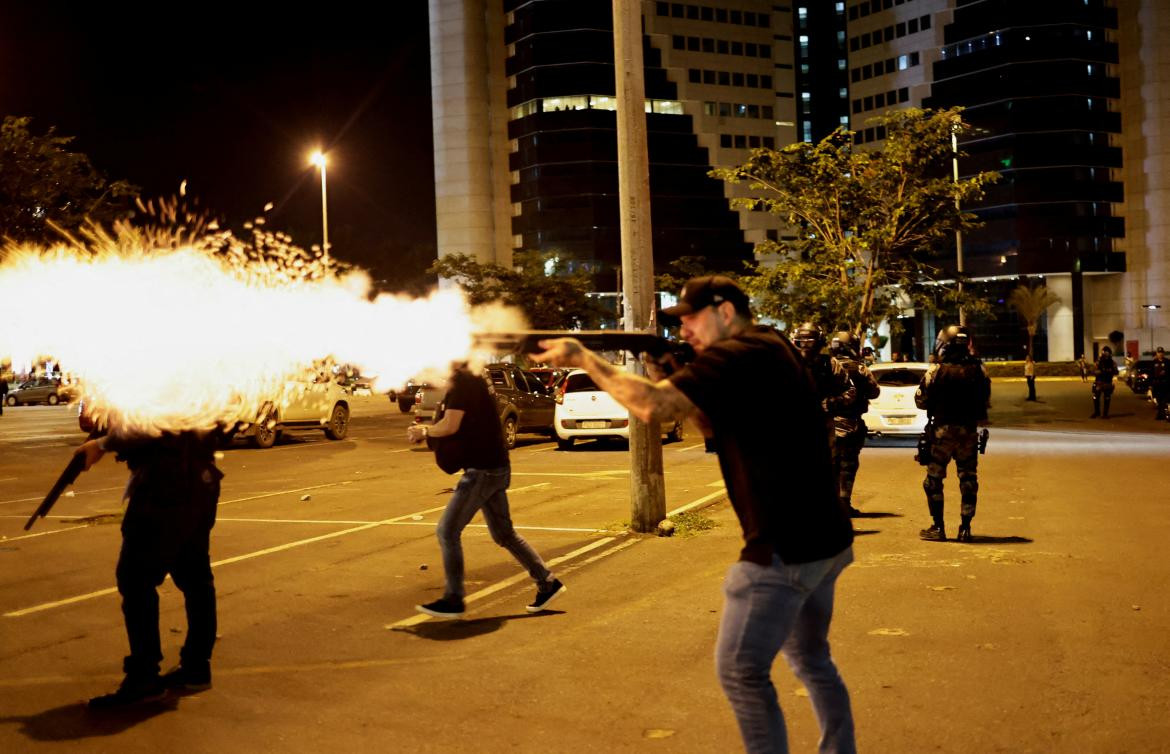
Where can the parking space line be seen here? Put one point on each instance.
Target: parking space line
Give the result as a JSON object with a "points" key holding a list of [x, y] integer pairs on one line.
{"points": [[41, 533], [236, 559], [414, 620], [38, 498], [288, 492], [697, 503], [579, 474], [393, 523], [692, 447], [530, 487]]}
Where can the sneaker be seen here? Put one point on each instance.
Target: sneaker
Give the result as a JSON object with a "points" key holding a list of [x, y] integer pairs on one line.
{"points": [[964, 534], [933, 534], [134, 690], [448, 607], [184, 678], [546, 594]]}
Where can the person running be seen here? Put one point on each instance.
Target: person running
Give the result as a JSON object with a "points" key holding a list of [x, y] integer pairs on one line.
{"points": [[467, 435]]}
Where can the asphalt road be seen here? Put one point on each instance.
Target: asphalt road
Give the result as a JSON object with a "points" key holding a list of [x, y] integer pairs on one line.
{"points": [[1049, 633]]}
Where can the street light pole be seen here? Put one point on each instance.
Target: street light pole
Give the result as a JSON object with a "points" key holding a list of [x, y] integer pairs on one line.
{"points": [[318, 159], [958, 231]]}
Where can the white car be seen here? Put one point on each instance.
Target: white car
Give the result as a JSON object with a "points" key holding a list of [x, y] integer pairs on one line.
{"points": [[584, 411], [321, 405], [893, 412]]}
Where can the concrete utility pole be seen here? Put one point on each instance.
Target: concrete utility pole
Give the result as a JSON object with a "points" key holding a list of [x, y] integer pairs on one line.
{"points": [[647, 487]]}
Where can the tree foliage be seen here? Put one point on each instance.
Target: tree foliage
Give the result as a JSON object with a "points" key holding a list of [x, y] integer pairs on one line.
{"points": [[539, 284], [1030, 304], [873, 225], [43, 184]]}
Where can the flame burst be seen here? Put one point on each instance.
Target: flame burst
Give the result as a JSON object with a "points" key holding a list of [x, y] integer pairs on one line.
{"points": [[164, 332]]}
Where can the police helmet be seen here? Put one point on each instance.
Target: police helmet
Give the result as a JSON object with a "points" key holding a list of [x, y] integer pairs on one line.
{"points": [[1106, 351], [809, 339], [844, 345], [954, 344]]}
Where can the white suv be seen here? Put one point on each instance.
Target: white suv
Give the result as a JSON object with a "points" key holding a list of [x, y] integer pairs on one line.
{"points": [[584, 411], [323, 405]]}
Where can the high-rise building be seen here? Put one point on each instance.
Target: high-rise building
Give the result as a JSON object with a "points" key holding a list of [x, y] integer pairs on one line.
{"points": [[525, 129]]}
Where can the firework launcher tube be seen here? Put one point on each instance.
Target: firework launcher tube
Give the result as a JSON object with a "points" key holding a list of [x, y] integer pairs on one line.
{"points": [[68, 477], [637, 343]]}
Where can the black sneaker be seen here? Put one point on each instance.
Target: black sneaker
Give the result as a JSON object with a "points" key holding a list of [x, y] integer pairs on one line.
{"points": [[184, 678], [134, 690], [448, 607], [546, 594], [964, 534], [934, 534]]}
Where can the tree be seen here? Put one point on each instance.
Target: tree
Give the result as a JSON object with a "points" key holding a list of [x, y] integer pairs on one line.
{"points": [[1031, 303], [550, 297], [43, 184], [872, 224]]}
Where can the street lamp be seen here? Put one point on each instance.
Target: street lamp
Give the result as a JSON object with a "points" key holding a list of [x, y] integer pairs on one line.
{"points": [[318, 159], [958, 231], [1150, 321]]}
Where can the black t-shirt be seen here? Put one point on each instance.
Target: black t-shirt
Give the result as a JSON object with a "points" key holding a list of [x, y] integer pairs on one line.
{"points": [[773, 445], [480, 437]]}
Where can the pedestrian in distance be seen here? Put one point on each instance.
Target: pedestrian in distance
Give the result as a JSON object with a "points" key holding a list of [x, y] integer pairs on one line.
{"points": [[777, 465], [1102, 389], [467, 435], [1084, 367], [849, 430], [1030, 376], [3, 393], [173, 493], [954, 392], [1160, 383]]}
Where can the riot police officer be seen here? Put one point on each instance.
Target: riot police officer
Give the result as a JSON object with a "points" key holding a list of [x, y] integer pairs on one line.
{"points": [[954, 392], [1103, 384], [1160, 383], [833, 386], [848, 427]]}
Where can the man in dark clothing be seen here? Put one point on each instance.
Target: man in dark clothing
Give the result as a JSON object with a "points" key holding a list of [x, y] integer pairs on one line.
{"points": [[834, 388], [954, 393], [1160, 383], [849, 429], [173, 494], [1103, 383], [778, 469], [3, 393], [467, 435]]}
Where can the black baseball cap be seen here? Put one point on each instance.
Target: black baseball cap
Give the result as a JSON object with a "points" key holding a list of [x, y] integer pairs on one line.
{"points": [[701, 292]]}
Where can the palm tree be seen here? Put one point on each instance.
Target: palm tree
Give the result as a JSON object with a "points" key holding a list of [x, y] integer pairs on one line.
{"points": [[1031, 303]]}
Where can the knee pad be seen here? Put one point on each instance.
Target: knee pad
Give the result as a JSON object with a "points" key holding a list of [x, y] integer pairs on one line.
{"points": [[933, 486]]}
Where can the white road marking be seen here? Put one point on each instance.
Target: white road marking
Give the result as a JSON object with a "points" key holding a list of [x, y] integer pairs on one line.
{"points": [[578, 474], [692, 447], [696, 503], [327, 521], [289, 492], [414, 620], [39, 498], [41, 533], [8, 479], [530, 487], [246, 556]]}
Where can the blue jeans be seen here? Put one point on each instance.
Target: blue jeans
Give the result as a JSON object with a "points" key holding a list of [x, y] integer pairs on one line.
{"points": [[782, 608], [484, 489]]}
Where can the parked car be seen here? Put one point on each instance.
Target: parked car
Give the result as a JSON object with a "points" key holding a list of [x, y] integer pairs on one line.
{"points": [[322, 406], [893, 412], [40, 390], [406, 396], [582, 410], [1138, 376], [524, 403]]}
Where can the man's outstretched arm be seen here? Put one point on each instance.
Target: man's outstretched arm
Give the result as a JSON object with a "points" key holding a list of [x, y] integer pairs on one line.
{"points": [[648, 401]]}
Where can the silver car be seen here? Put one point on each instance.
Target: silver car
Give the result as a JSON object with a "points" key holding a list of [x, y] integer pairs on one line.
{"points": [[40, 390]]}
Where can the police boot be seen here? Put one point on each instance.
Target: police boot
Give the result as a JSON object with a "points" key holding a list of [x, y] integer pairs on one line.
{"points": [[964, 534], [935, 533]]}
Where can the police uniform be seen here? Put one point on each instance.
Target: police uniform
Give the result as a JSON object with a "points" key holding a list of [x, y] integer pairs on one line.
{"points": [[1160, 383], [848, 428], [954, 393], [1103, 383], [173, 493], [833, 386]]}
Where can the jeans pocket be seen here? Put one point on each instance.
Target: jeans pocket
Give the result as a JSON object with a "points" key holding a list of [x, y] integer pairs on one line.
{"points": [[741, 577]]}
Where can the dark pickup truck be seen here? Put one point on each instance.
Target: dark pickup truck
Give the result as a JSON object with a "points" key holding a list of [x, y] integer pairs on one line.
{"points": [[525, 404]]}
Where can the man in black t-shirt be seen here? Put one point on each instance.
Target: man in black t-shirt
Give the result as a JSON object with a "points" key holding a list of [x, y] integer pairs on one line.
{"points": [[777, 464], [468, 436]]}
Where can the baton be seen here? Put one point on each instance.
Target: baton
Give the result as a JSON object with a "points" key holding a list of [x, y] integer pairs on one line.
{"points": [[68, 477]]}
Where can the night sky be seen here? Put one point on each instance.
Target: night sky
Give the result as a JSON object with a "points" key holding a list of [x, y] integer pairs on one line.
{"points": [[233, 99]]}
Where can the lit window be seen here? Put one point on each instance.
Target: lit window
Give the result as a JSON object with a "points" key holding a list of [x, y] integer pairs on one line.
{"points": [[903, 62], [807, 131], [603, 103], [845, 121], [806, 96], [802, 12], [841, 64], [842, 92], [839, 7], [1089, 68], [803, 39]]}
